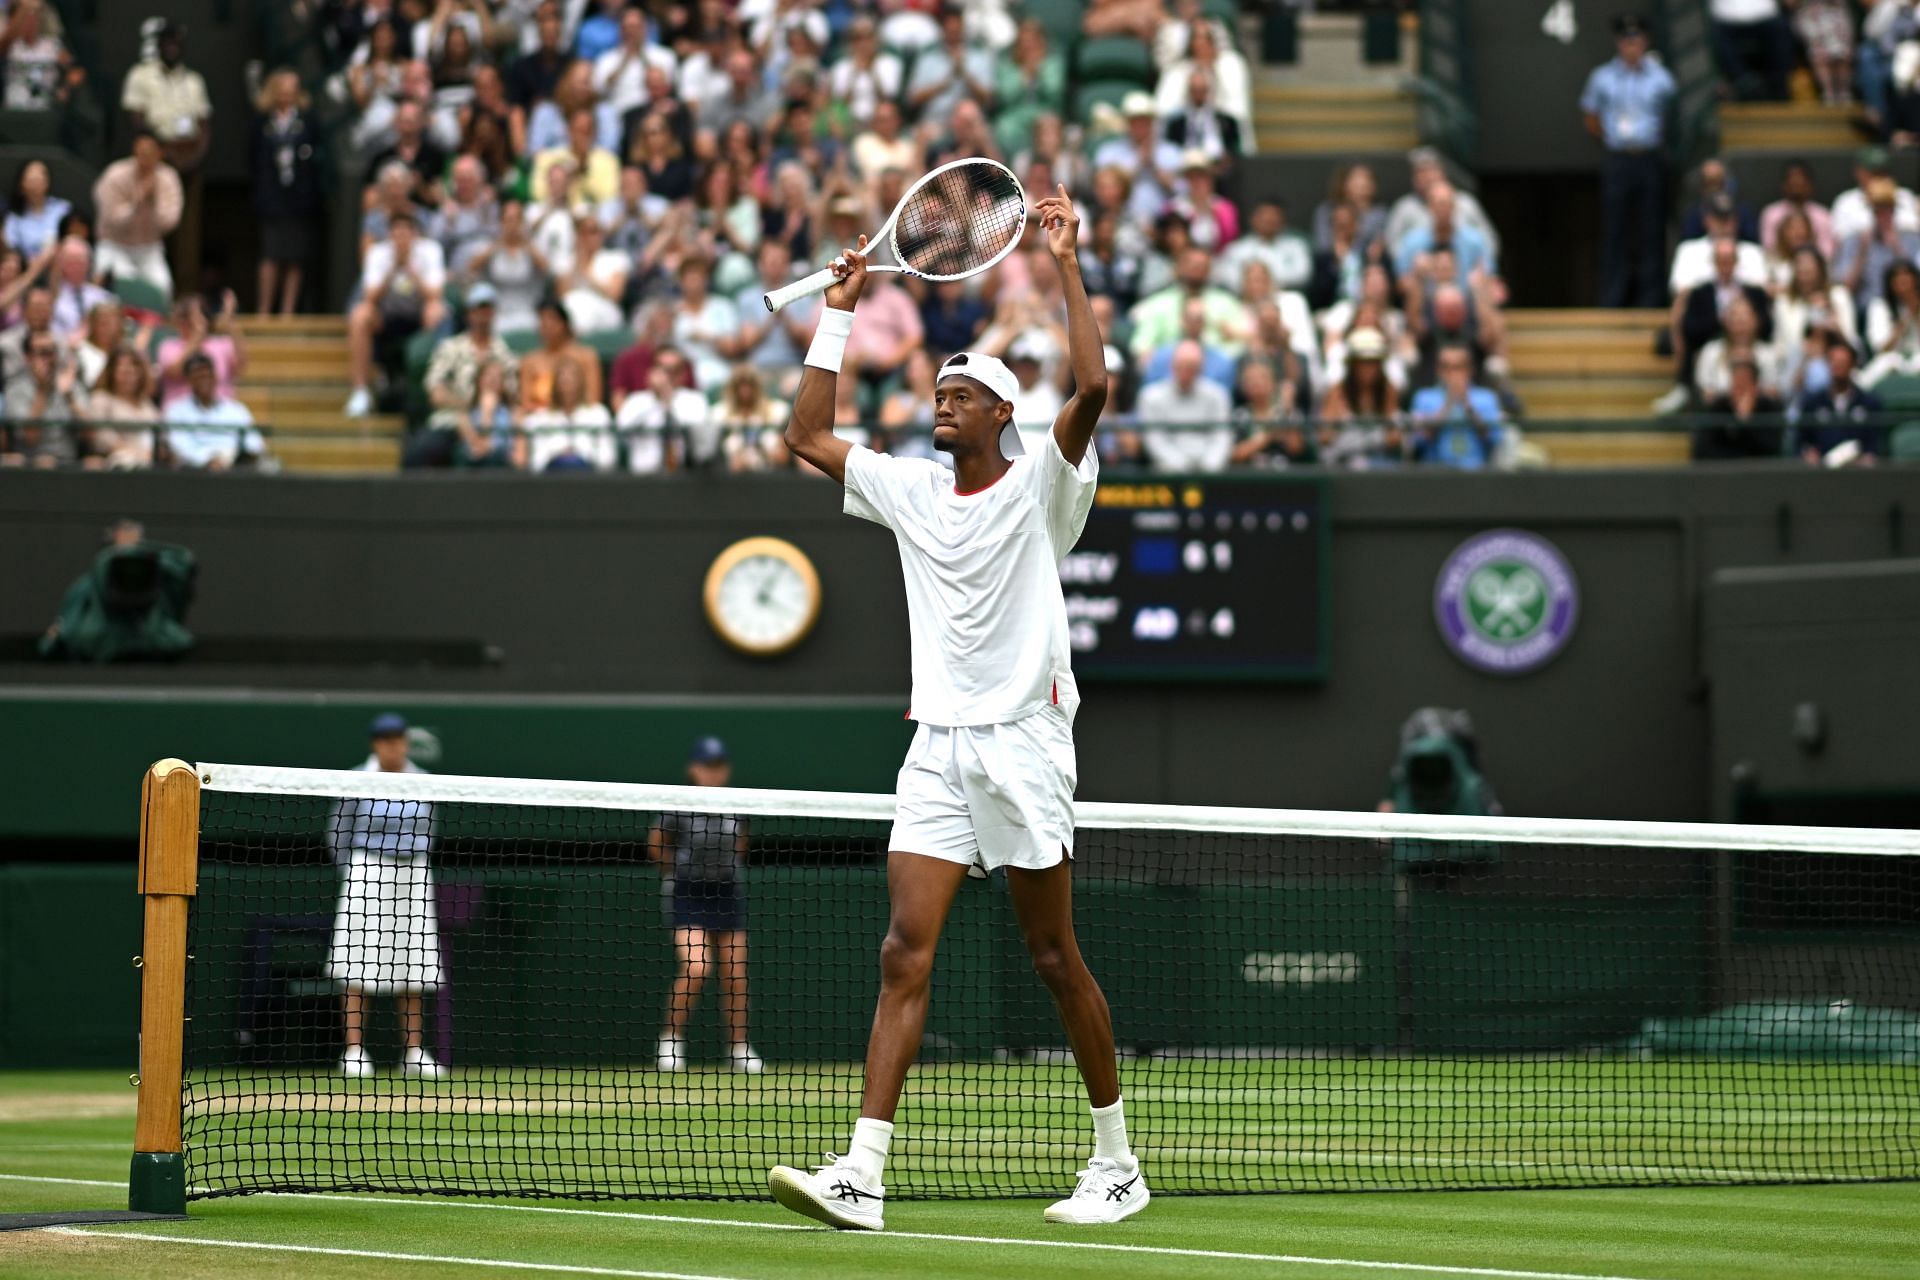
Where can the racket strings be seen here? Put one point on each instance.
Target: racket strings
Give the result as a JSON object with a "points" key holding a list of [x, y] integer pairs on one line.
{"points": [[960, 220]]}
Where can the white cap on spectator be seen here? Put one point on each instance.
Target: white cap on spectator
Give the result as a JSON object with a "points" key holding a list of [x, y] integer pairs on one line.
{"points": [[1138, 103], [1195, 158]]}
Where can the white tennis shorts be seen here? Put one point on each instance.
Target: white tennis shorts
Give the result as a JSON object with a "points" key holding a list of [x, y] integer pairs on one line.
{"points": [[386, 930], [991, 795]]}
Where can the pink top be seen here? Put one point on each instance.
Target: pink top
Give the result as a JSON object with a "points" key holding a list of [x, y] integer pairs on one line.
{"points": [[1774, 214], [217, 349]]}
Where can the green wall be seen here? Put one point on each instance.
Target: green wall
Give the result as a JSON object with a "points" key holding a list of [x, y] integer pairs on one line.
{"points": [[69, 994]]}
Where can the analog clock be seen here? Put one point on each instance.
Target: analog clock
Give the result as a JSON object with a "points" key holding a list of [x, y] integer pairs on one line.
{"points": [[762, 596]]}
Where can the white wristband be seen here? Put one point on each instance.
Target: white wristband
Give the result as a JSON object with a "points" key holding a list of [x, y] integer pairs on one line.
{"points": [[830, 339]]}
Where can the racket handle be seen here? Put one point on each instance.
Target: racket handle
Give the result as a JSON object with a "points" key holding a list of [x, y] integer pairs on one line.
{"points": [[819, 282]]}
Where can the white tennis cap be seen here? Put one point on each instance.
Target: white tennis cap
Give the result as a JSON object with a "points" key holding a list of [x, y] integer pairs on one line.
{"points": [[995, 377]]}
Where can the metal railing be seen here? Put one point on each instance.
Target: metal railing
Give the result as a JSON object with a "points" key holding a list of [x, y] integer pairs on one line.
{"points": [[1443, 90]]}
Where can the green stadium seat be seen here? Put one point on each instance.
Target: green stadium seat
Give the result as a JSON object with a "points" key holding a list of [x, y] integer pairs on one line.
{"points": [[1116, 58], [138, 293], [1900, 393], [520, 341], [1091, 94], [419, 355], [1061, 18], [607, 344], [1904, 445], [1227, 11]]}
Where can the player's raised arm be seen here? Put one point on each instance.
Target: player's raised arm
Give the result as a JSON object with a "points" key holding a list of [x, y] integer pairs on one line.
{"points": [[1073, 429], [810, 430]]}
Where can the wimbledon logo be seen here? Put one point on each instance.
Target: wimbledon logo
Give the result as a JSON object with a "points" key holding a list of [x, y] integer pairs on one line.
{"points": [[1506, 601]]}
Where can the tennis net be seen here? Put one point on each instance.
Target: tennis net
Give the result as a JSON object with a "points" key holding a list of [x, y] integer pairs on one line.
{"points": [[1303, 1001]]}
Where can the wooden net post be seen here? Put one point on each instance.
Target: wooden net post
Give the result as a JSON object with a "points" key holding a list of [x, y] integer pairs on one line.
{"points": [[169, 876]]}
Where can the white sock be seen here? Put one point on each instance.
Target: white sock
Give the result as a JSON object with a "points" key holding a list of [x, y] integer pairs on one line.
{"points": [[1110, 1133], [871, 1138]]}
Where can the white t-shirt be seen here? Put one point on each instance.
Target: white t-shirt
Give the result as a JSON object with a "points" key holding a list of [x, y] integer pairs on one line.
{"points": [[428, 260], [987, 621], [584, 433], [643, 421]]}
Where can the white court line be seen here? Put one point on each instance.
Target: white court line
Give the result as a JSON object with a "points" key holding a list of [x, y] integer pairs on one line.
{"points": [[1165, 1251], [500, 1263]]}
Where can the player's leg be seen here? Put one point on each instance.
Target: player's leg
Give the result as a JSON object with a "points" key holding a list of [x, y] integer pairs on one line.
{"points": [[730, 948], [850, 1192], [692, 950]]}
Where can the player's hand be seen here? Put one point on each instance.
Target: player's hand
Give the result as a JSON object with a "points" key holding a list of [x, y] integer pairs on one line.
{"points": [[1060, 223], [851, 270]]}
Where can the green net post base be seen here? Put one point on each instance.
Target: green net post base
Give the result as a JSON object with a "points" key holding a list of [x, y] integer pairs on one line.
{"points": [[157, 1183]]}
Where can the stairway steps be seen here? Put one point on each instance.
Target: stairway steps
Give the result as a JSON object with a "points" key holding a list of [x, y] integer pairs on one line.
{"points": [[1763, 126], [1639, 362], [1535, 319], [303, 326], [1612, 448], [1335, 141], [340, 457], [272, 402]]}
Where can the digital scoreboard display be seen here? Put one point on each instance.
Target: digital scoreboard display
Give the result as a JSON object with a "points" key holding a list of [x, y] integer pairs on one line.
{"points": [[1209, 577]]}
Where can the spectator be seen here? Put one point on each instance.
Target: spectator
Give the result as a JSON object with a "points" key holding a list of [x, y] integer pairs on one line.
{"points": [[1198, 123], [1157, 319], [1226, 71], [37, 62], [375, 82], [887, 331], [1717, 180], [1693, 261], [592, 171], [74, 294], [1862, 261], [773, 344], [207, 430], [653, 324], [1174, 34], [574, 432], [631, 217], [1753, 46], [36, 319], [195, 334], [1472, 255], [411, 148], [592, 284], [1893, 326], [1450, 316], [1796, 196], [1839, 425], [550, 220], [483, 127], [1138, 18], [788, 215], [705, 326], [1354, 186], [728, 223], [540, 369], [1029, 82], [101, 335], [906, 415], [1825, 28], [1794, 233], [1373, 309], [1186, 400], [532, 78], [17, 277], [1272, 438], [1625, 105], [669, 174], [741, 97], [864, 75], [515, 268], [1740, 340], [1150, 161], [42, 402], [599, 32], [169, 99], [400, 294], [469, 217], [1696, 319], [666, 425], [1212, 221], [883, 146], [123, 397], [487, 433], [137, 200], [1457, 423], [1340, 268], [1110, 271], [286, 163], [1853, 208], [453, 374], [949, 71], [392, 196], [1216, 365], [1037, 398], [750, 421], [1360, 423], [620, 74], [34, 214], [1411, 211], [453, 65], [1803, 313], [1287, 254], [1746, 419]]}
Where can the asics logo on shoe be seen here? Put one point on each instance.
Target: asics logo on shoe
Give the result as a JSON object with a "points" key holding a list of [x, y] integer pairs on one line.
{"points": [[1120, 1190], [847, 1191]]}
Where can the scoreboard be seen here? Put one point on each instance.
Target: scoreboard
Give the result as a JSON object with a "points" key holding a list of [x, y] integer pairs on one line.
{"points": [[1208, 577]]}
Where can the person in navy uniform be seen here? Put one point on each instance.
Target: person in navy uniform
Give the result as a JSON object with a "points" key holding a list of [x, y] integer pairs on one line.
{"points": [[1625, 105], [702, 856]]}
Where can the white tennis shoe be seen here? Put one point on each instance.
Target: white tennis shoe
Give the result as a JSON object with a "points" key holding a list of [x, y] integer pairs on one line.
{"points": [[835, 1194], [421, 1065], [1109, 1190], [670, 1054], [356, 1063], [744, 1058]]}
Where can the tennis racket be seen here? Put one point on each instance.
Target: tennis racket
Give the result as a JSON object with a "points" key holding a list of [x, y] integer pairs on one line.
{"points": [[954, 223]]}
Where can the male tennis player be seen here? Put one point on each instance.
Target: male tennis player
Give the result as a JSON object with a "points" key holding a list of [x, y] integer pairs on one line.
{"points": [[988, 781]]}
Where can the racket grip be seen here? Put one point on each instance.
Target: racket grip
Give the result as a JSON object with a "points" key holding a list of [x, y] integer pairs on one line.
{"points": [[819, 282]]}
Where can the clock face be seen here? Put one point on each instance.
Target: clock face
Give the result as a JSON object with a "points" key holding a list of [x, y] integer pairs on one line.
{"points": [[762, 596]]}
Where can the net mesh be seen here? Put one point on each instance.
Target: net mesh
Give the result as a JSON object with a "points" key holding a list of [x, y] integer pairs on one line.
{"points": [[1296, 1009], [960, 220]]}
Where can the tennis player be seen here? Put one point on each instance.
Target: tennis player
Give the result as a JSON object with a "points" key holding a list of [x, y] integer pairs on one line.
{"points": [[988, 781], [703, 858], [386, 931]]}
